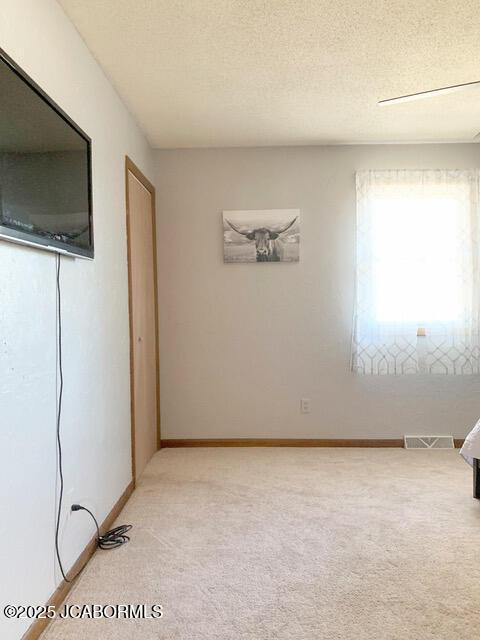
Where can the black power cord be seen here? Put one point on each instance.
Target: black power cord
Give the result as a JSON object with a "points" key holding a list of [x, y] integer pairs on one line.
{"points": [[115, 537], [59, 416], [110, 539]]}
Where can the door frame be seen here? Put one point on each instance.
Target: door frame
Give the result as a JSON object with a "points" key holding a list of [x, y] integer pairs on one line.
{"points": [[135, 171]]}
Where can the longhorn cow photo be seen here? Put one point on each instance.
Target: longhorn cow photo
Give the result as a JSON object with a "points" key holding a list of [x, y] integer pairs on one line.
{"points": [[269, 235]]}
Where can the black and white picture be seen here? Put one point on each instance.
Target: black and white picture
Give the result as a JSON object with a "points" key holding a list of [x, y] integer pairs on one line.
{"points": [[268, 235]]}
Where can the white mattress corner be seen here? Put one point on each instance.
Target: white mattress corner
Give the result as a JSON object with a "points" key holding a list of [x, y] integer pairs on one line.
{"points": [[471, 446]]}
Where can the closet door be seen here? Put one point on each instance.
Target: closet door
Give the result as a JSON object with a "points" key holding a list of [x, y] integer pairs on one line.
{"points": [[143, 318]]}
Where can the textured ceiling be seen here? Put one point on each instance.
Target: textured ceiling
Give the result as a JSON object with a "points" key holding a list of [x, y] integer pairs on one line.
{"points": [[203, 73]]}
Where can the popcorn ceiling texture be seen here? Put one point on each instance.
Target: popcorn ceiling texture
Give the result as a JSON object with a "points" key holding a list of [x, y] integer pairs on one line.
{"points": [[250, 72], [293, 544]]}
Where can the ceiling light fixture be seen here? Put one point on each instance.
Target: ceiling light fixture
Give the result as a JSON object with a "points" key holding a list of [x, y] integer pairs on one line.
{"points": [[428, 94]]}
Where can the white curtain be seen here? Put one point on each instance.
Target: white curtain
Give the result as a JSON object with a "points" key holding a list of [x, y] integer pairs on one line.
{"points": [[417, 279]]}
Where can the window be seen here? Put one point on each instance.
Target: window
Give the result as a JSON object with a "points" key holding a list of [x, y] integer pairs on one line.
{"points": [[417, 281]]}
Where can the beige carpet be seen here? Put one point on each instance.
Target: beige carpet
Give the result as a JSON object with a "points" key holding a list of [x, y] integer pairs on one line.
{"points": [[293, 544]]}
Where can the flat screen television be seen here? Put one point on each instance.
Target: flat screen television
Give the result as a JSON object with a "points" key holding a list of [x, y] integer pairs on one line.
{"points": [[45, 169]]}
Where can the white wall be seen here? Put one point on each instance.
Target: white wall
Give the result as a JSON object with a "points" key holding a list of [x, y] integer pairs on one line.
{"points": [[241, 344], [96, 418]]}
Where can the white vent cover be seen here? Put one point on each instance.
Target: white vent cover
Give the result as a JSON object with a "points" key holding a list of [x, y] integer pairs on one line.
{"points": [[429, 442]]}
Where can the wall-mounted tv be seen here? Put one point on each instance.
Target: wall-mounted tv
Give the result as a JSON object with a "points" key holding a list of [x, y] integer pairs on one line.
{"points": [[45, 169]]}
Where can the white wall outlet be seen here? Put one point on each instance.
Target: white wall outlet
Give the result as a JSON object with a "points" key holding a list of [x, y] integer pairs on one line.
{"points": [[305, 405]]}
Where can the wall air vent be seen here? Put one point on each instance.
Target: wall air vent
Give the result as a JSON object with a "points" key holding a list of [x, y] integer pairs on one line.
{"points": [[429, 442]]}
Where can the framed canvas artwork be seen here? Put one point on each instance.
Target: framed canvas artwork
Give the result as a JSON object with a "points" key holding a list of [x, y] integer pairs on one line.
{"points": [[265, 235]]}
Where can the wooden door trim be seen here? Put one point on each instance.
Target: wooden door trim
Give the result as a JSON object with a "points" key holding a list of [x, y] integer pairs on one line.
{"points": [[131, 167]]}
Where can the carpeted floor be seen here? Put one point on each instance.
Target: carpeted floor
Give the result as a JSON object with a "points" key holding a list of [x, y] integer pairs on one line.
{"points": [[293, 544]]}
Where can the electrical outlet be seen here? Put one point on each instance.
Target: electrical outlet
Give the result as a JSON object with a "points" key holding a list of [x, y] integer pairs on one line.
{"points": [[305, 405]]}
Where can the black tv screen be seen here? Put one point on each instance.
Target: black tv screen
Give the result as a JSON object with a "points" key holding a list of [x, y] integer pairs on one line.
{"points": [[45, 169]]}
